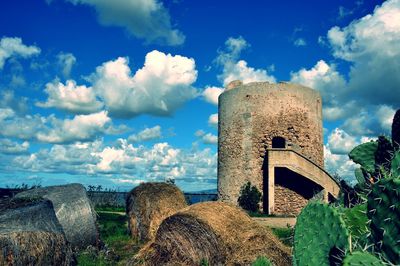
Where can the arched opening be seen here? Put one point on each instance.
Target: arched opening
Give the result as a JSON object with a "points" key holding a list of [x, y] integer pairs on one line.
{"points": [[278, 142]]}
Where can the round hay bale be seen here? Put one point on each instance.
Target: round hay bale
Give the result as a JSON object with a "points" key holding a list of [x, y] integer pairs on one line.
{"points": [[35, 248], [73, 210], [28, 214], [149, 204], [217, 232], [30, 234]]}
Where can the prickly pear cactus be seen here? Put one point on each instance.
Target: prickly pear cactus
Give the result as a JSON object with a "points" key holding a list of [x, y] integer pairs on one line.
{"points": [[320, 233], [361, 259], [356, 221], [364, 155], [383, 156], [358, 173], [396, 130], [395, 169], [384, 213]]}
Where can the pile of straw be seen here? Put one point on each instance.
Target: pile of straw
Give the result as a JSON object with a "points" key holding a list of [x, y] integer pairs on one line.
{"points": [[149, 204], [217, 232]]}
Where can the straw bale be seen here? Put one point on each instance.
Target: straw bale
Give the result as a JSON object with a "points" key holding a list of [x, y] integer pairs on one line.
{"points": [[149, 204], [218, 232], [73, 210]]}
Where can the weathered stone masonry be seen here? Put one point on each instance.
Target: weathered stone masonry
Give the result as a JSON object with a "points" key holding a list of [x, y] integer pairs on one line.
{"points": [[251, 117]]}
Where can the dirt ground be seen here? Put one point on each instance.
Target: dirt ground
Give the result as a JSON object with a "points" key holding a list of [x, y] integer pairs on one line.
{"points": [[276, 222]]}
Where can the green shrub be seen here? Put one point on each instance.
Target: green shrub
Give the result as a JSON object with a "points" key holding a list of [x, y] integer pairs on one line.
{"points": [[261, 261], [249, 197], [204, 262]]}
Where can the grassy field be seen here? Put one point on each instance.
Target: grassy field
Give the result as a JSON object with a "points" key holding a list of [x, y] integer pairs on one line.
{"points": [[113, 232], [113, 224]]}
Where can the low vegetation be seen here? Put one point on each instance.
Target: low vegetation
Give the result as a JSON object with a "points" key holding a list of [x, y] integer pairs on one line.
{"points": [[119, 246], [249, 198]]}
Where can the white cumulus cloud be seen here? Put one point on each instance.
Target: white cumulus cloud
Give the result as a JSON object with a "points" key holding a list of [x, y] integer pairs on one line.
{"points": [[322, 77], [371, 45], [213, 120], [13, 47], [145, 19], [211, 94], [71, 98], [235, 69], [8, 146], [146, 134], [160, 87], [340, 142], [80, 128]]}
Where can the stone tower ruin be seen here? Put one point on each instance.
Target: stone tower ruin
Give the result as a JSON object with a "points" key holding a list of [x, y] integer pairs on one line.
{"points": [[272, 136]]}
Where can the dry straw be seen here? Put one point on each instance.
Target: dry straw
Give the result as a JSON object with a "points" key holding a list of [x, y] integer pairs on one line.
{"points": [[217, 232], [149, 204]]}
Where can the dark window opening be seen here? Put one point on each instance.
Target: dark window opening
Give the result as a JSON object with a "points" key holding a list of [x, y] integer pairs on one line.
{"points": [[278, 142]]}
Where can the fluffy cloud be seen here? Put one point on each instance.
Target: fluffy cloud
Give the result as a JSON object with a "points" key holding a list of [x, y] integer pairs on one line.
{"points": [[66, 62], [370, 44], [210, 139], [53, 130], [321, 77], [339, 164], [13, 47], [206, 138], [80, 128], [146, 134], [160, 87], [339, 142], [9, 100], [146, 19], [22, 127], [235, 69], [375, 121], [211, 94], [213, 120], [123, 162], [71, 98], [8, 146]]}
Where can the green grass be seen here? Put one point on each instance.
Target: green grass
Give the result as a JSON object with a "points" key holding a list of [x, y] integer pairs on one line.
{"points": [[113, 232], [285, 235], [110, 209]]}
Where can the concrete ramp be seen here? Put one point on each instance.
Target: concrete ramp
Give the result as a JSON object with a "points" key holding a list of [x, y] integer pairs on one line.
{"points": [[313, 176]]}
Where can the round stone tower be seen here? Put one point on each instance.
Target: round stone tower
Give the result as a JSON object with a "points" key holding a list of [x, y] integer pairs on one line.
{"points": [[259, 116]]}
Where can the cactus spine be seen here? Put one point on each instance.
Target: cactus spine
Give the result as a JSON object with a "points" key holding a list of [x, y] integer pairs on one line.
{"points": [[361, 259], [320, 235], [384, 214]]}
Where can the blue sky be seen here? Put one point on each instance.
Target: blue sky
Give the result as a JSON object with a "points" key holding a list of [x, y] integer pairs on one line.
{"points": [[115, 93]]}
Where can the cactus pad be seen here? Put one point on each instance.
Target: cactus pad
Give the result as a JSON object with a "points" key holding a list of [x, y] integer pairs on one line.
{"points": [[383, 156], [364, 155], [396, 130], [361, 259], [356, 221], [319, 233], [395, 170], [384, 213]]}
